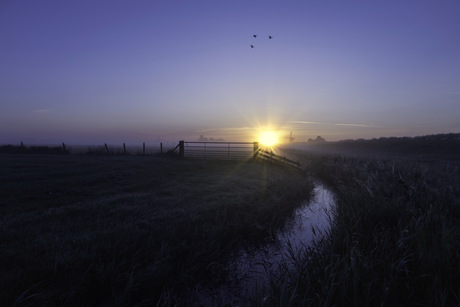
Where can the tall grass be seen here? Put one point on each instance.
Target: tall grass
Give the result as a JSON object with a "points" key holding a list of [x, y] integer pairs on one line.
{"points": [[127, 230], [394, 241]]}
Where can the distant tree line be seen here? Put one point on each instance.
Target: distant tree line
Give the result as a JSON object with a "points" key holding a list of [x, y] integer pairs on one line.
{"points": [[318, 140], [205, 139], [437, 143]]}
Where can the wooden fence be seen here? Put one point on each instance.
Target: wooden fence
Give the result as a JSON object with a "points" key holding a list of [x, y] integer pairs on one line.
{"points": [[229, 151], [197, 150], [217, 150], [270, 156]]}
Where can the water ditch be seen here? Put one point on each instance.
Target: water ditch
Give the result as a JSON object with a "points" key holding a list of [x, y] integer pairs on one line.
{"points": [[251, 267]]}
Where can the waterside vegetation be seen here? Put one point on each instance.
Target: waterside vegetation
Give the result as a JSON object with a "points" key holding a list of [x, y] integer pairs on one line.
{"points": [[394, 238]]}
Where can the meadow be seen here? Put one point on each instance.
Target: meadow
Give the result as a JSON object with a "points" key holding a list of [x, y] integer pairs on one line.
{"points": [[153, 230], [131, 230]]}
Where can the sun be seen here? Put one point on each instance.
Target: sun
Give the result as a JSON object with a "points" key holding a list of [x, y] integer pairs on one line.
{"points": [[268, 138]]}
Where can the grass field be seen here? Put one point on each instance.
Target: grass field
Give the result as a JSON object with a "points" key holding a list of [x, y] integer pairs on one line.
{"points": [[133, 230], [127, 230]]}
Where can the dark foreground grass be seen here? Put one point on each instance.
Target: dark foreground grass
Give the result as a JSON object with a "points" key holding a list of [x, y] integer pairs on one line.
{"points": [[395, 238], [125, 230]]}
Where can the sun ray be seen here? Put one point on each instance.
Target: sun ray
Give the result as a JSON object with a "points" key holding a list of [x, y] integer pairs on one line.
{"points": [[268, 138]]}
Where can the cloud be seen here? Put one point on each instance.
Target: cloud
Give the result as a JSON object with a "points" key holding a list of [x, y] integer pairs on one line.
{"points": [[332, 124], [42, 111]]}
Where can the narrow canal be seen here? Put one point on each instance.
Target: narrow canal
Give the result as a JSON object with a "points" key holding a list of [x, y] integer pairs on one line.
{"points": [[251, 268]]}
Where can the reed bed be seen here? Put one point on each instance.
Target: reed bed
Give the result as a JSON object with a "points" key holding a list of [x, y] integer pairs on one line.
{"points": [[394, 238]]}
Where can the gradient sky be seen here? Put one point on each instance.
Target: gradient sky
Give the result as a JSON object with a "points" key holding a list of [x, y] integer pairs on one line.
{"points": [[85, 72]]}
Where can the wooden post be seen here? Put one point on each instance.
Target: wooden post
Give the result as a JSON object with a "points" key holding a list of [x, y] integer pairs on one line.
{"points": [[22, 144], [181, 149], [161, 147], [256, 150], [143, 148], [107, 148], [124, 148], [63, 147]]}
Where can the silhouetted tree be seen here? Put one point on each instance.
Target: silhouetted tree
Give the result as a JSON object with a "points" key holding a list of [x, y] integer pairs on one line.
{"points": [[318, 139]]}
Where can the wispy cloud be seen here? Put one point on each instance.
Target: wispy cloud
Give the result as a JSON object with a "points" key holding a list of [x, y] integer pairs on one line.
{"points": [[332, 124], [235, 129], [42, 111]]}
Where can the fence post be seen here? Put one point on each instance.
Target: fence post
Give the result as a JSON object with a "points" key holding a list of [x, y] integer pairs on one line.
{"points": [[143, 148], [256, 150], [63, 147], [181, 149], [161, 147], [124, 148], [107, 148]]}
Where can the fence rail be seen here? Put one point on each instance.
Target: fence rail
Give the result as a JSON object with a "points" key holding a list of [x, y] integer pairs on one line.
{"points": [[217, 150], [273, 157], [230, 151], [197, 150]]}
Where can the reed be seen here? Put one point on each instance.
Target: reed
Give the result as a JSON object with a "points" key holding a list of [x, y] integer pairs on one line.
{"points": [[394, 240]]}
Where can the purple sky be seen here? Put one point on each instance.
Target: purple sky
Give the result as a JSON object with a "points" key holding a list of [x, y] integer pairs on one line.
{"points": [[85, 72]]}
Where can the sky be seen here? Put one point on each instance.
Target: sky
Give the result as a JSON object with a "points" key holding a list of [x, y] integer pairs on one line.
{"points": [[88, 72]]}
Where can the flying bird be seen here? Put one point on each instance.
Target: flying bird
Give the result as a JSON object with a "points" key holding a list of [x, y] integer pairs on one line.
{"points": [[255, 35], [269, 37], [252, 46]]}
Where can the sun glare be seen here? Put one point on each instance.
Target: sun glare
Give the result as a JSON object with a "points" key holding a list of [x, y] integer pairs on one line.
{"points": [[268, 138]]}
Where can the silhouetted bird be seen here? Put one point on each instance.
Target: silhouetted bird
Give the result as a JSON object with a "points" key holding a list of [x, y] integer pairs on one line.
{"points": [[255, 35], [269, 37], [252, 46]]}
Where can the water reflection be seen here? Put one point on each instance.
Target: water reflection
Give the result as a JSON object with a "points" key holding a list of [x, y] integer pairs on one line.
{"points": [[310, 219], [252, 266]]}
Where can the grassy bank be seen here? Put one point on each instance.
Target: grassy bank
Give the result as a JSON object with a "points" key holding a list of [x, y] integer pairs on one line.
{"points": [[125, 230], [395, 240]]}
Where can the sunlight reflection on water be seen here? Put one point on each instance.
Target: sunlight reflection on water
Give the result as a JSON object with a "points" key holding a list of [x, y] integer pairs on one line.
{"points": [[252, 266]]}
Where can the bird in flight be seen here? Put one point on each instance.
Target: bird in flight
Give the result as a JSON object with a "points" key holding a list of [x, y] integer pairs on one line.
{"points": [[255, 36]]}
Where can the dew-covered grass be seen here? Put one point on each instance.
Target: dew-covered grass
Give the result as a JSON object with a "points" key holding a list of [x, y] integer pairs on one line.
{"points": [[130, 230]]}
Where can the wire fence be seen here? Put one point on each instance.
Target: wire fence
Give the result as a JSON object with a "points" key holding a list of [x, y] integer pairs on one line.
{"points": [[103, 149]]}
